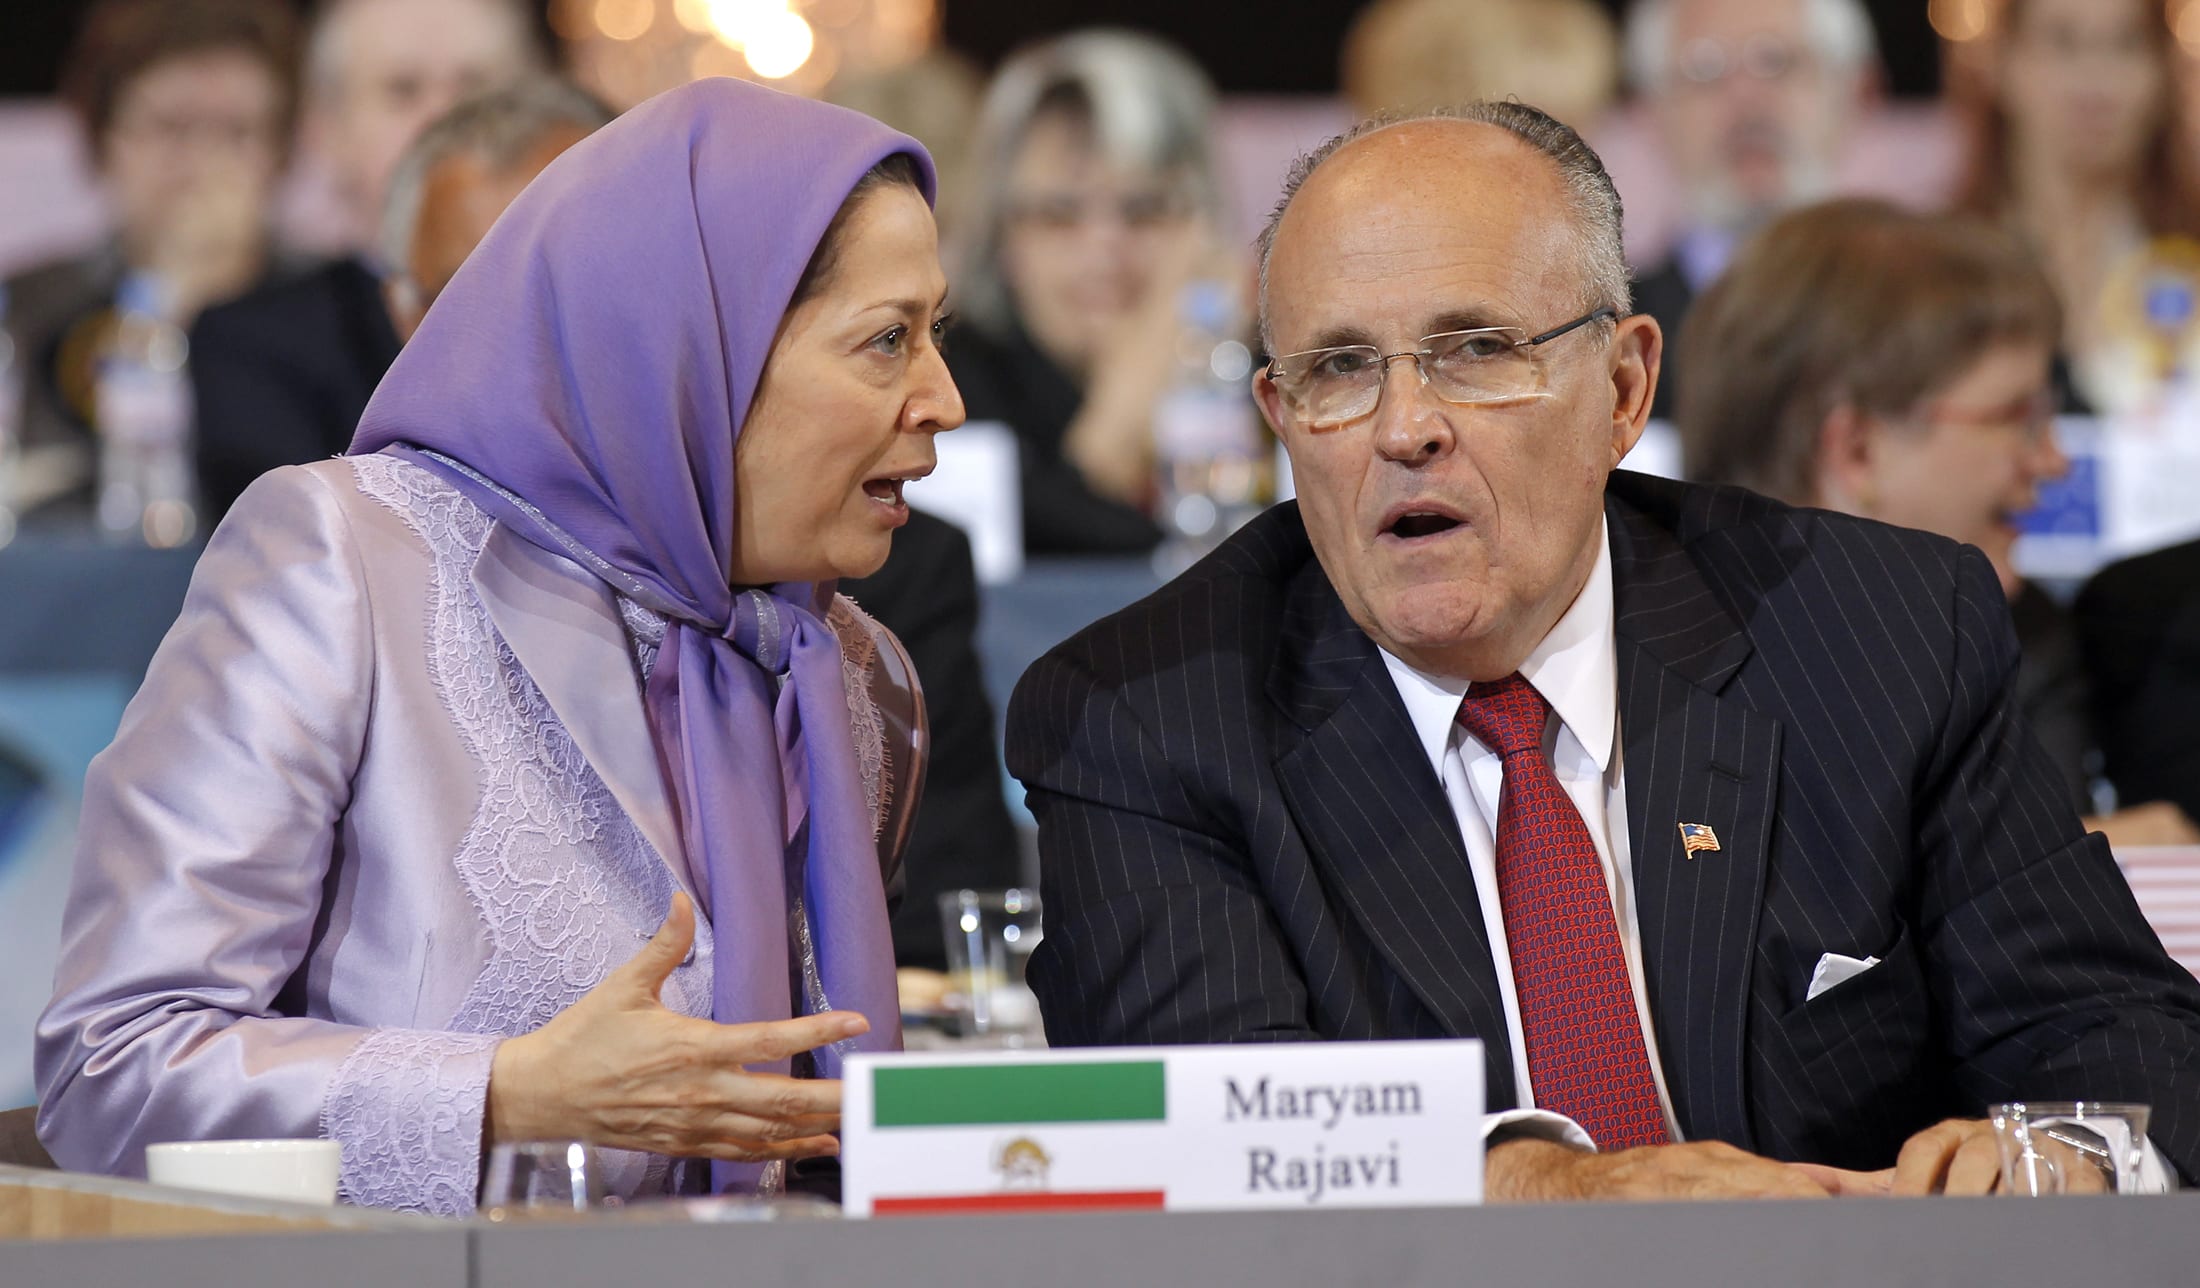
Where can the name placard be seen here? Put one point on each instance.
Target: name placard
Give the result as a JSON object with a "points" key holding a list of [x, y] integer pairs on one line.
{"points": [[1181, 1129]]}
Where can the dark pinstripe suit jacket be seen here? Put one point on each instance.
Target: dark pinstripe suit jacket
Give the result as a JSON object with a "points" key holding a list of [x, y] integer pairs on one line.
{"points": [[1242, 839]]}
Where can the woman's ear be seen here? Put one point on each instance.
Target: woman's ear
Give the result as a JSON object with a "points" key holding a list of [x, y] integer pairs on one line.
{"points": [[1844, 462]]}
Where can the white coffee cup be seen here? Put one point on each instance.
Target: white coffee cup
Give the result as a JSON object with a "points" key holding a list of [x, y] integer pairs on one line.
{"points": [[300, 1171]]}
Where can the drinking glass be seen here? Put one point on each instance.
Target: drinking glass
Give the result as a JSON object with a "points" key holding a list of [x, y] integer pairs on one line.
{"points": [[990, 935], [2070, 1146], [540, 1178]]}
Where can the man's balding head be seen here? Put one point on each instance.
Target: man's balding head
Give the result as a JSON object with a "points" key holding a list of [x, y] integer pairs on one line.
{"points": [[1457, 533], [460, 174], [1589, 205]]}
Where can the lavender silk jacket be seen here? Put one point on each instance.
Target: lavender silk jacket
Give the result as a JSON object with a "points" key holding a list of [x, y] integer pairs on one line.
{"points": [[387, 796]]}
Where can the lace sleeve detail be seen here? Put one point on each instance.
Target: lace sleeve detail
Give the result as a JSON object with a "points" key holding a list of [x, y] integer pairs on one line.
{"points": [[406, 1106]]}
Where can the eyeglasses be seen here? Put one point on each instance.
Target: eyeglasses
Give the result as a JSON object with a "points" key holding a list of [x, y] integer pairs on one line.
{"points": [[1709, 62], [2031, 418], [1326, 387], [1055, 212]]}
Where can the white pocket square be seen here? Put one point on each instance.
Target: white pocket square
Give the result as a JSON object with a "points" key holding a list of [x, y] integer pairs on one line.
{"points": [[1833, 969]]}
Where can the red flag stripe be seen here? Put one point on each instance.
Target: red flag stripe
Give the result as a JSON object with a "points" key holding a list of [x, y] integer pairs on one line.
{"points": [[1036, 1201]]}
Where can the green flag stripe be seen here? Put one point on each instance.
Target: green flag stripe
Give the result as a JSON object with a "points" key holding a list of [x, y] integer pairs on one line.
{"points": [[958, 1095]]}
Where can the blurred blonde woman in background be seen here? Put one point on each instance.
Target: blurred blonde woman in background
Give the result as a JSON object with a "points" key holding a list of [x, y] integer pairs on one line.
{"points": [[1096, 203], [1414, 55]]}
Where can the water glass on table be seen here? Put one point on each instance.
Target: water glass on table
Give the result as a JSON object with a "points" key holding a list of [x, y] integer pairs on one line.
{"points": [[990, 935], [2070, 1146], [527, 1180]]}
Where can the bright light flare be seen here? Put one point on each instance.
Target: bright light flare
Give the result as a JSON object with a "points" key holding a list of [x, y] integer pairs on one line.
{"points": [[778, 45]]}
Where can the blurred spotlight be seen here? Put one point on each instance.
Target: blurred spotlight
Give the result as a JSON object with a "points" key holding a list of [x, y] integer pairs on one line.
{"points": [[778, 45], [1959, 20], [625, 19], [736, 21], [692, 14]]}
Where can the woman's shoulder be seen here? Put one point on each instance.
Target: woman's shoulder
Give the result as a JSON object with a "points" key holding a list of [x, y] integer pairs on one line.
{"points": [[376, 497]]}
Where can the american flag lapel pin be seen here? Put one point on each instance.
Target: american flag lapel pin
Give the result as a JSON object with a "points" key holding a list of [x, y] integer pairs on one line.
{"points": [[1696, 838]]}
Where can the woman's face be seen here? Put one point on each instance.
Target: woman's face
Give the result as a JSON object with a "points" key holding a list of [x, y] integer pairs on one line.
{"points": [[195, 135], [1969, 461], [850, 398], [2084, 82], [1080, 238]]}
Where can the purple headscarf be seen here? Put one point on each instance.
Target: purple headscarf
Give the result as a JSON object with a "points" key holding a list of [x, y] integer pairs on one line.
{"points": [[583, 378]]}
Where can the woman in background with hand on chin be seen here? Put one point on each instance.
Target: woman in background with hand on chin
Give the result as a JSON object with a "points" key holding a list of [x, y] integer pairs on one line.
{"points": [[449, 726]]}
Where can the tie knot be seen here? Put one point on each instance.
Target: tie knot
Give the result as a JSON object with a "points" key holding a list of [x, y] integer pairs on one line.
{"points": [[1507, 715]]}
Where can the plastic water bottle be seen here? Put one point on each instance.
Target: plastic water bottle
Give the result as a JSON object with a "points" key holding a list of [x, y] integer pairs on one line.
{"points": [[11, 427], [1212, 452], [142, 402]]}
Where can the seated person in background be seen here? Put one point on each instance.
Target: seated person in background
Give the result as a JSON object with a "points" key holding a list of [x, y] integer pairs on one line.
{"points": [[460, 174], [187, 105], [2139, 627], [1482, 738], [1869, 360], [1098, 201], [1753, 101], [1419, 55], [449, 726], [281, 375], [2077, 145]]}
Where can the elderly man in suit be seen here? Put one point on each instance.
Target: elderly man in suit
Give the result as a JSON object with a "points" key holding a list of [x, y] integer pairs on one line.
{"points": [[1711, 817]]}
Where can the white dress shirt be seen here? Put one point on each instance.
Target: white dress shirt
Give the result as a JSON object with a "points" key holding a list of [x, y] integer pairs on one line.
{"points": [[1576, 669]]}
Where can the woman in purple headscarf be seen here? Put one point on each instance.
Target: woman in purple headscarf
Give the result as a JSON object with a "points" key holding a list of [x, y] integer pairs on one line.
{"points": [[449, 726]]}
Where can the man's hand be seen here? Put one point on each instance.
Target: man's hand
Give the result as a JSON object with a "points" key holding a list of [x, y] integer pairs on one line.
{"points": [[1959, 1156], [1532, 1171]]}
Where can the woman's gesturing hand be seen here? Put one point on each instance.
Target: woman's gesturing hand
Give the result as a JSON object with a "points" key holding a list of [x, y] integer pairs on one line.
{"points": [[618, 1068]]}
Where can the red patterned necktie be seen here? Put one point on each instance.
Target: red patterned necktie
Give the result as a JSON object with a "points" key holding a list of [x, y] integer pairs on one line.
{"points": [[1586, 1056]]}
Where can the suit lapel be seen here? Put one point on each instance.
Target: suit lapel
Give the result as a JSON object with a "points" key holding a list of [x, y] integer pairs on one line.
{"points": [[563, 625], [1375, 819], [1691, 755]]}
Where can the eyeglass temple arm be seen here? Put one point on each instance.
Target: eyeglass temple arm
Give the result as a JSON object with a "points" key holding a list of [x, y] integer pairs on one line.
{"points": [[1585, 319]]}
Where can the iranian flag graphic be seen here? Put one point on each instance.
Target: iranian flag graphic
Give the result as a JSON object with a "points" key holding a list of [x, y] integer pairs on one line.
{"points": [[1181, 1129], [1040, 1137]]}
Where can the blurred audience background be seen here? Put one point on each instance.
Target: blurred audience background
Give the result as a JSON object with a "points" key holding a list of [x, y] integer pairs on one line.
{"points": [[1896, 365], [2079, 143], [187, 109], [282, 374], [1096, 204], [1935, 262]]}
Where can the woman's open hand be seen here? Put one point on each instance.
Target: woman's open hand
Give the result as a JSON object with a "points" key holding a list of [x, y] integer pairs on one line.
{"points": [[618, 1068]]}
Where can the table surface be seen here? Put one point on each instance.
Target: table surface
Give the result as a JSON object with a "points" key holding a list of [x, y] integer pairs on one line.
{"points": [[2000, 1242]]}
